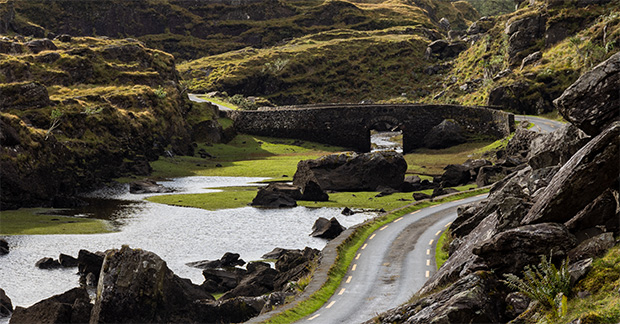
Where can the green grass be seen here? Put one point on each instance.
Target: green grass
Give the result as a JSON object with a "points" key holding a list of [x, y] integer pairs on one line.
{"points": [[432, 162], [30, 221], [442, 248], [219, 101], [346, 252], [236, 197]]}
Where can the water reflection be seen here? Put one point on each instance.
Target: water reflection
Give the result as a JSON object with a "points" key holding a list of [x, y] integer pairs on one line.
{"points": [[177, 234]]}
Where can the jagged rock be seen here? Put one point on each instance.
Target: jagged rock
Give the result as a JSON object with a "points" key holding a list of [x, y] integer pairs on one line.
{"points": [[23, 95], [313, 192], [352, 171], [557, 147], [218, 280], [10, 47], [47, 263], [277, 195], [258, 280], [519, 144], [4, 247], [67, 261], [516, 303], [591, 103], [327, 229], [6, 307], [532, 58], [443, 49], [65, 38], [293, 264], [444, 23], [510, 251], [523, 33], [602, 212], [445, 134], [274, 300], [592, 170], [238, 309], [579, 269], [276, 253], [39, 45], [137, 286], [502, 74], [420, 196], [72, 306], [475, 298], [147, 186], [593, 247], [89, 263], [228, 260]]}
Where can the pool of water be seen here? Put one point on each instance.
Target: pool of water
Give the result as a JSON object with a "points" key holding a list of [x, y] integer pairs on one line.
{"points": [[177, 234]]}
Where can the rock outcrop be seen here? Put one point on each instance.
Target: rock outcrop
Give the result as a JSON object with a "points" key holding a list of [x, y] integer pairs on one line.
{"points": [[72, 306], [592, 102], [228, 260], [352, 171]]}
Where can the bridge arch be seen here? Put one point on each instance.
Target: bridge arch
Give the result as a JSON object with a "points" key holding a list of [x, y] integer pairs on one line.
{"points": [[349, 125]]}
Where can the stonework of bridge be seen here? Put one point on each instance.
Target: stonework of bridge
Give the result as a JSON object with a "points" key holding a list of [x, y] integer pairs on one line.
{"points": [[349, 125]]}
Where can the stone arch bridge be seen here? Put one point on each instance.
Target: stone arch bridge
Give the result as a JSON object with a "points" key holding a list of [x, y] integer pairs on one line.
{"points": [[349, 125]]}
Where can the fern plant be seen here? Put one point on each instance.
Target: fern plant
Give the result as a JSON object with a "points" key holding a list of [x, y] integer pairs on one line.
{"points": [[543, 282]]}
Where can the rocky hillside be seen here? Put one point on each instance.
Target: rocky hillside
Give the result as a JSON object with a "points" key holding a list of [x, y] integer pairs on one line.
{"points": [[562, 205], [190, 29], [79, 111], [475, 64]]}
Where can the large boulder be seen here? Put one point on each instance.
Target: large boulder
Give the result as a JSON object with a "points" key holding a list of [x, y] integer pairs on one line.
{"points": [[89, 264], [510, 251], [39, 45], [592, 170], [277, 195], [592, 248], [445, 134], [220, 280], [475, 298], [327, 229], [72, 306], [351, 171], [455, 175], [604, 211], [293, 264], [523, 34], [313, 192], [6, 307], [258, 280], [591, 103], [137, 286]]}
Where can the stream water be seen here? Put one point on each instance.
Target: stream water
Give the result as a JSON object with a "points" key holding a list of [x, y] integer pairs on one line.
{"points": [[177, 234], [384, 141]]}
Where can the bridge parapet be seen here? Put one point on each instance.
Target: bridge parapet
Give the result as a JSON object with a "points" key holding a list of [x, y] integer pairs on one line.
{"points": [[349, 125]]}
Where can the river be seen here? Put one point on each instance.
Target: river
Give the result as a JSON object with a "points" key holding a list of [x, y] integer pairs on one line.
{"points": [[177, 234]]}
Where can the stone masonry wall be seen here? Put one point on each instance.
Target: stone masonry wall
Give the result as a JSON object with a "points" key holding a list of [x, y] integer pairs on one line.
{"points": [[349, 125]]}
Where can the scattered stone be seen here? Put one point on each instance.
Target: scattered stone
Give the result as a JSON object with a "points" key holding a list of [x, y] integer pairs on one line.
{"points": [[47, 263], [275, 253], [228, 260], [147, 186], [347, 212], [6, 307], [516, 303], [294, 264], [591, 103], [4, 247], [455, 175], [258, 280], [65, 38], [277, 195], [420, 196], [328, 229], [40, 45], [443, 191], [222, 280], [351, 171]]}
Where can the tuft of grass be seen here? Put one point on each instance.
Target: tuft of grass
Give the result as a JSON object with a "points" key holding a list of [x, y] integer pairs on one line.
{"points": [[442, 248], [346, 253], [33, 221]]}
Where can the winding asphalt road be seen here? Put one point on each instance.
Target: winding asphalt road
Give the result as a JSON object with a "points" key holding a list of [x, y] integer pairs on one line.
{"points": [[390, 267], [541, 125], [195, 98]]}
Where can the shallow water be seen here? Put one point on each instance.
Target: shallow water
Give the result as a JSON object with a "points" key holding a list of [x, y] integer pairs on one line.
{"points": [[382, 142], [177, 234]]}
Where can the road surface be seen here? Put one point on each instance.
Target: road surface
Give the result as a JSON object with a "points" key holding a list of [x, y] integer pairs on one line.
{"points": [[194, 97], [541, 125], [390, 267]]}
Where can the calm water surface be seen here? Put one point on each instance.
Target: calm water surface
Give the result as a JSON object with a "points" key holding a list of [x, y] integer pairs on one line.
{"points": [[177, 234]]}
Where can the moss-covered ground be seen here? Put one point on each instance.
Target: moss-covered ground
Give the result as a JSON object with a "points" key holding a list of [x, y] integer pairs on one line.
{"points": [[28, 221]]}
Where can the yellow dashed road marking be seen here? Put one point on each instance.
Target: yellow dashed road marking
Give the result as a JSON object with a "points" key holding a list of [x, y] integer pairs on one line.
{"points": [[431, 242], [427, 274], [341, 291], [372, 236], [364, 246], [313, 317], [438, 232], [349, 279], [428, 263], [354, 267], [384, 227], [396, 221], [331, 304], [358, 256], [428, 252]]}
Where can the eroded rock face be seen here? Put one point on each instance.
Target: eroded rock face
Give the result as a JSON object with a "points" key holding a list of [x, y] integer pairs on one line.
{"points": [[293, 264], [557, 147], [592, 170], [591, 103], [592, 248], [352, 171], [603, 211], [523, 34]]}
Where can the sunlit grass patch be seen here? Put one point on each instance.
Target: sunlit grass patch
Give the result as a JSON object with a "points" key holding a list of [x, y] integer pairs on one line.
{"points": [[31, 221]]}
